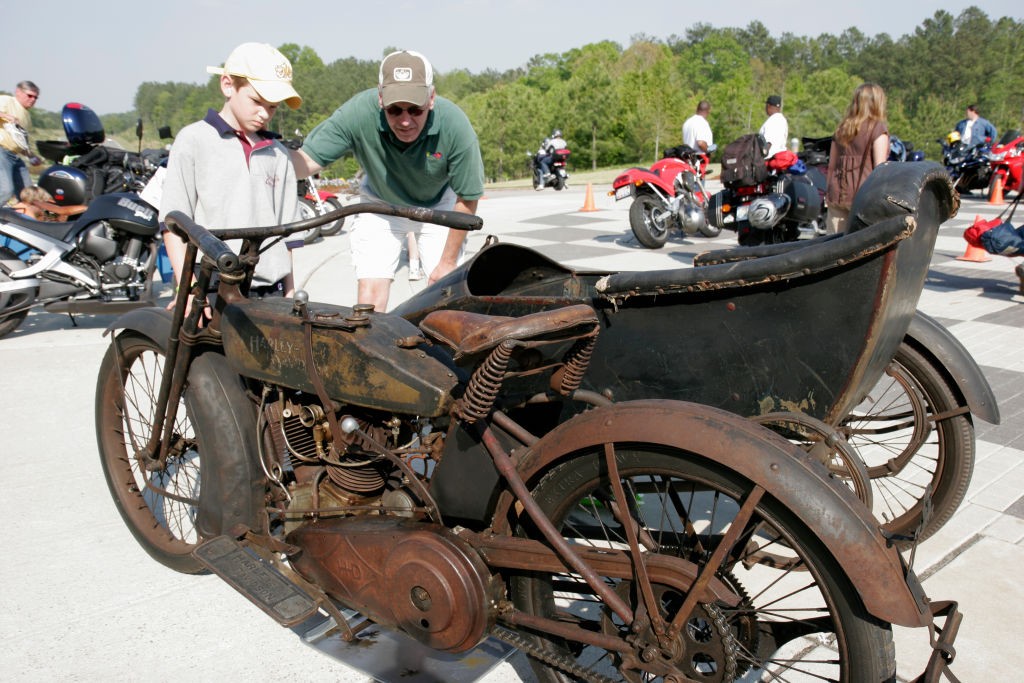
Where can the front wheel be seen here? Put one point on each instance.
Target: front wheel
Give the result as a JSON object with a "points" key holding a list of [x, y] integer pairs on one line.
{"points": [[650, 221], [9, 322], [158, 504], [794, 620], [307, 209], [331, 229]]}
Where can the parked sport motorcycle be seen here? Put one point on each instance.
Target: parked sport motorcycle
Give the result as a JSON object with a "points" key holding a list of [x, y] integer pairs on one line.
{"points": [[781, 209], [318, 458], [1007, 162], [102, 262], [558, 177], [670, 195], [967, 165]]}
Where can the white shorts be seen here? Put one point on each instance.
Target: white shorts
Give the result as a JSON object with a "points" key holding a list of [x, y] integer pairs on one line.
{"points": [[377, 241]]}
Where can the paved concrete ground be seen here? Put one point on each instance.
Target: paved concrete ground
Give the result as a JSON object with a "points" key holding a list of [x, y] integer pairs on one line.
{"points": [[79, 600]]}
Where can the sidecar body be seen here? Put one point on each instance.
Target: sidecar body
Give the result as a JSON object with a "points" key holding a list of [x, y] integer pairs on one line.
{"points": [[807, 326]]}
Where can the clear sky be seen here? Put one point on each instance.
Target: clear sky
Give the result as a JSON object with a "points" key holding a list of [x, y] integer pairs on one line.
{"points": [[99, 52]]}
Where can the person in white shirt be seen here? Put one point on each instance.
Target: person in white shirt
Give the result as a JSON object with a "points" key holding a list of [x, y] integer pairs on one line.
{"points": [[775, 129], [697, 131]]}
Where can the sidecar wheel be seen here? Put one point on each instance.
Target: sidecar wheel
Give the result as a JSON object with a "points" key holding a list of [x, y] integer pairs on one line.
{"points": [[650, 221], [906, 452], [126, 396], [9, 323], [802, 615]]}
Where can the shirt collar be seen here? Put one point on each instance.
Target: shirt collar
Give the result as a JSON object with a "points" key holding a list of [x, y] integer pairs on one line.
{"points": [[214, 118]]}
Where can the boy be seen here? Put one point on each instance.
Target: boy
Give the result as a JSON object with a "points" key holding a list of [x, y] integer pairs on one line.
{"points": [[228, 171]]}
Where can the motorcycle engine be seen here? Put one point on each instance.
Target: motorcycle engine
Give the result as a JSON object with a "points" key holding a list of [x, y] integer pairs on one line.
{"points": [[322, 481], [120, 257], [691, 218]]}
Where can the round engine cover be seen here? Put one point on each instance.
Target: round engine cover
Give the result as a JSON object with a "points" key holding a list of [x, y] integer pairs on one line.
{"points": [[441, 590], [692, 218]]}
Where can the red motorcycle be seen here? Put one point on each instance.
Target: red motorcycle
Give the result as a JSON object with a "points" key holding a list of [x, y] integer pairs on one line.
{"points": [[670, 195], [1007, 162]]}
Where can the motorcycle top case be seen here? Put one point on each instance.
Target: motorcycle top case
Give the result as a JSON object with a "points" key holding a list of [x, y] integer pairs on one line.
{"points": [[361, 364], [83, 130]]}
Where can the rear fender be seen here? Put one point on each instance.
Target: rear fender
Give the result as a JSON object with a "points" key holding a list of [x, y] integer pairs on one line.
{"points": [[955, 363], [842, 523], [642, 176]]}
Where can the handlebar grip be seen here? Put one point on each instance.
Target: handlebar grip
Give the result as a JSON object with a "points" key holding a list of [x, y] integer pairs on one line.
{"points": [[450, 219], [227, 261]]}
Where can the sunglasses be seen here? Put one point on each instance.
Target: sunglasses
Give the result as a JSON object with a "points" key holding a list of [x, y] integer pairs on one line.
{"points": [[32, 95], [395, 110]]}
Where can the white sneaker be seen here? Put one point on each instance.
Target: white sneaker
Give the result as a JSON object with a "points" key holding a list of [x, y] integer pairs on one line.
{"points": [[416, 274]]}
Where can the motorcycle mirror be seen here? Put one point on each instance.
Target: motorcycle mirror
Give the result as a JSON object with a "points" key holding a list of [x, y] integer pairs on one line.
{"points": [[164, 132]]}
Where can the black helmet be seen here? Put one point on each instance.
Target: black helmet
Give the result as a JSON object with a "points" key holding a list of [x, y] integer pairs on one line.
{"points": [[556, 133]]}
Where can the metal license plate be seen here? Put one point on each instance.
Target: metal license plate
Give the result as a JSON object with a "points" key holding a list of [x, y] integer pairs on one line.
{"points": [[624, 192], [741, 212]]}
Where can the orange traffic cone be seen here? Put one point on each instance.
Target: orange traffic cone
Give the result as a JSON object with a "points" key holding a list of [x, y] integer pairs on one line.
{"points": [[996, 195], [588, 203], [973, 253]]}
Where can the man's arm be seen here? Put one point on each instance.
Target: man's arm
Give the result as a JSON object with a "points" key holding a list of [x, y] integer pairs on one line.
{"points": [[453, 243], [304, 164]]}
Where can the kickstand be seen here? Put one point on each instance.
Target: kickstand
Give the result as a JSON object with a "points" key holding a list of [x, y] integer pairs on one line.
{"points": [[72, 316]]}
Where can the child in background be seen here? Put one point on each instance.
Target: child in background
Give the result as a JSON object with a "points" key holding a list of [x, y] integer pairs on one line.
{"points": [[228, 171]]}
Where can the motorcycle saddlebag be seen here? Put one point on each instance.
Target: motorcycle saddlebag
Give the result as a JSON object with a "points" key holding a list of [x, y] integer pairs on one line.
{"points": [[805, 198]]}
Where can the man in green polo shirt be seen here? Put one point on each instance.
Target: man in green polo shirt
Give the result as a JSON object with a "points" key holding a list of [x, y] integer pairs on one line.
{"points": [[415, 149]]}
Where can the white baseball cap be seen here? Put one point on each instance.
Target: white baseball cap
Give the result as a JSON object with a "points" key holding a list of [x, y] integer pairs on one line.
{"points": [[267, 70]]}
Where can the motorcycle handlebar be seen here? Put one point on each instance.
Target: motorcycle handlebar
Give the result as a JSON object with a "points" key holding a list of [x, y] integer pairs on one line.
{"points": [[227, 261], [210, 241]]}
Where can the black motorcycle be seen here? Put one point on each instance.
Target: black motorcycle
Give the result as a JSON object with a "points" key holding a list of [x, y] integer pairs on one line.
{"points": [[102, 262], [780, 209], [557, 176], [968, 165]]}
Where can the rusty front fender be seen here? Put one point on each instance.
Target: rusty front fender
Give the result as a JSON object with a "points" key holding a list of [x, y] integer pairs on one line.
{"points": [[837, 517]]}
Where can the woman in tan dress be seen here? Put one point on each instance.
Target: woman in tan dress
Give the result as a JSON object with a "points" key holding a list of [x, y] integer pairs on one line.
{"points": [[860, 143]]}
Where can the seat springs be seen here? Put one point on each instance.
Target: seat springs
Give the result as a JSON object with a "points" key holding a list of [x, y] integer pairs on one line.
{"points": [[485, 383], [576, 361]]}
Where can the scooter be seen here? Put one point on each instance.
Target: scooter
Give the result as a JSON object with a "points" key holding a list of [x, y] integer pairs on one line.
{"points": [[670, 195]]}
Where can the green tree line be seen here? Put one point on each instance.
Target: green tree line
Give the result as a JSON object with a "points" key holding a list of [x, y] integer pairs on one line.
{"points": [[623, 106]]}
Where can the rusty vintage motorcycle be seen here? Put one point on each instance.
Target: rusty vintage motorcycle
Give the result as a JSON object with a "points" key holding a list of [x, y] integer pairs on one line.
{"points": [[349, 467], [825, 328]]}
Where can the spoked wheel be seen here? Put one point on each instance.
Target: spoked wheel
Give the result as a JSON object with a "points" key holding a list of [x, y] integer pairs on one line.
{"points": [[10, 322], [800, 622], [158, 505], [331, 229], [827, 445], [650, 221], [908, 451], [307, 209]]}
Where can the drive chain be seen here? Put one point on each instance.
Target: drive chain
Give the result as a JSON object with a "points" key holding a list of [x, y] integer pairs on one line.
{"points": [[562, 662]]}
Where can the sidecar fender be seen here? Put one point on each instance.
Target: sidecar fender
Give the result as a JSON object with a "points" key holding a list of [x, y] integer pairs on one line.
{"points": [[842, 523], [951, 359], [151, 321]]}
